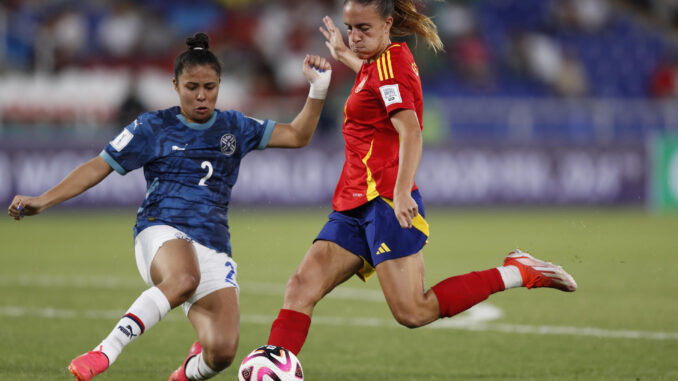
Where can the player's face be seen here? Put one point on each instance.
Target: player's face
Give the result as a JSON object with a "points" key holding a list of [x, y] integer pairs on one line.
{"points": [[198, 88], [368, 32]]}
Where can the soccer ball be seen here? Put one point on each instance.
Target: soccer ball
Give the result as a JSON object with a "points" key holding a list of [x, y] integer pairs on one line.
{"points": [[270, 363]]}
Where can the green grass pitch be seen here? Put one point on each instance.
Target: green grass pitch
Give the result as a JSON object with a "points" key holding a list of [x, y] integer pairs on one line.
{"points": [[66, 277]]}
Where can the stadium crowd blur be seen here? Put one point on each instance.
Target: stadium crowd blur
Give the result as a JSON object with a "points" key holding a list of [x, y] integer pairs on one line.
{"points": [[95, 65]]}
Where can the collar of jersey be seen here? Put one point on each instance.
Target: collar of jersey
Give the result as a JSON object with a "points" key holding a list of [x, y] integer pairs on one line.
{"points": [[198, 126]]}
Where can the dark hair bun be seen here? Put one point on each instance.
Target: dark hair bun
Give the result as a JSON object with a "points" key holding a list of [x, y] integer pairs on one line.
{"points": [[198, 41]]}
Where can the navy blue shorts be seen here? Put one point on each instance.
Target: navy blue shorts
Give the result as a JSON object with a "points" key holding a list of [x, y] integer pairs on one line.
{"points": [[372, 232]]}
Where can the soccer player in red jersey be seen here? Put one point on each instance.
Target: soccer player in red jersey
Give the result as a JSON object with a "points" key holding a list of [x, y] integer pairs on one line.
{"points": [[378, 221]]}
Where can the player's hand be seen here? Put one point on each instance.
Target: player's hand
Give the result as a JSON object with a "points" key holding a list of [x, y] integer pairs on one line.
{"points": [[405, 209], [314, 66], [318, 72], [334, 40], [23, 206]]}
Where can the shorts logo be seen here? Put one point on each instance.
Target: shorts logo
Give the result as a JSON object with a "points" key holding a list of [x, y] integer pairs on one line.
{"points": [[183, 236], [390, 94], [383, 249], [228, 144]]}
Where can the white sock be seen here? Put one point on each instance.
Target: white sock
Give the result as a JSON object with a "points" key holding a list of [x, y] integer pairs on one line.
{"points": [[197, 369], [144, 313], [511, 276]]}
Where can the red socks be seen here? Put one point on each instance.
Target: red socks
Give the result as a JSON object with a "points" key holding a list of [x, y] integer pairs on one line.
{"points": [[289, 330], [455, 295], [459, 293]]}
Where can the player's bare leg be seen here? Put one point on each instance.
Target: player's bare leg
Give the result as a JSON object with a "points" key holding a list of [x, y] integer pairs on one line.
{"points": [[176, 274], [216, 319], [402, 281], [324, 266], [175, 271]]}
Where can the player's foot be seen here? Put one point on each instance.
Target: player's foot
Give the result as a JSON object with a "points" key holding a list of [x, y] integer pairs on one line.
{"points": [[537, 273], [180, 373], [88, 365]]}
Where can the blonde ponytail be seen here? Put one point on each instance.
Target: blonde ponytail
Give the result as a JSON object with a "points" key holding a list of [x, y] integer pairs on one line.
{"points": [[408, 20]]}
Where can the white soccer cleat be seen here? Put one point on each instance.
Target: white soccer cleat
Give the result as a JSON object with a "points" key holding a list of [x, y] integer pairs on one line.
{"points": [[537, 273]]}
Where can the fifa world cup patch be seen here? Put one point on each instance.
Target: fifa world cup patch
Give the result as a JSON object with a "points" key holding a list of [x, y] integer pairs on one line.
{"points": [[122, 140], [228, 145], [390, 94]]}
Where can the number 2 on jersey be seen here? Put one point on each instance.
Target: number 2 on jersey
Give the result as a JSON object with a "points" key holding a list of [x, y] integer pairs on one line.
{"points": [[206, 165]]}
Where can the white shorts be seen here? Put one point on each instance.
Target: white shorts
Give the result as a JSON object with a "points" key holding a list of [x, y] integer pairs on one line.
{"points": [[217, 270]]}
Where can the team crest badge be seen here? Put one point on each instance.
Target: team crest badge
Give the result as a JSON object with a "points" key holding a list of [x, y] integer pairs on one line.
{"points": [[360, 85], [415, 69], [228, 145]]}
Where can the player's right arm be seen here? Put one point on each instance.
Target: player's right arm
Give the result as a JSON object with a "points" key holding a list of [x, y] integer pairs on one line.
{"points": [[298, 133], [82, 178], [338, 49]]}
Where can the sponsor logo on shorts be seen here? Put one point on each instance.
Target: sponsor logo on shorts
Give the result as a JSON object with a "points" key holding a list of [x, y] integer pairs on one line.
{"points": [[183, 236], [383, 248]]}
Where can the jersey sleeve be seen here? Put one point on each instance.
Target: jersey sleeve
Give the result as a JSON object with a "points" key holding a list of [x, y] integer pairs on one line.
{"points": [[131, 149], [397, 80], [255, 133]]}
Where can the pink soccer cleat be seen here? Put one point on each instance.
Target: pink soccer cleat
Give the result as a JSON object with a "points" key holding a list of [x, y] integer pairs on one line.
{"points": [[537, 273], [180, 373], [88, 365]]}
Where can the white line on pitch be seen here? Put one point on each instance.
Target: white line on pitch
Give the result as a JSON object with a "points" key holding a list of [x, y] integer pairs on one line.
{"points": [[129, 283], [454, 323]]}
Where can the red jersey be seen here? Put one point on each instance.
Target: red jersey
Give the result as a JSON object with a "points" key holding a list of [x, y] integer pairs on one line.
{"points": [[388, 84]]}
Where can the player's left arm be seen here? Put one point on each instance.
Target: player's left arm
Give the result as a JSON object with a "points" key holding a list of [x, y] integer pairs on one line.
{"points": [[298, 133], [405, 121], [79, 180]]}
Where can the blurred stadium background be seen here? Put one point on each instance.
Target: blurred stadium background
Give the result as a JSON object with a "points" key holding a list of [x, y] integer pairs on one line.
{"points": [[534, 101]]}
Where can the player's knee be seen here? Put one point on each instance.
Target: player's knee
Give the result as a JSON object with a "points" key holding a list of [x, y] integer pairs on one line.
{"points": [[181, 287], [301, 290], [413, 315], [219, 354], [409, 320]]}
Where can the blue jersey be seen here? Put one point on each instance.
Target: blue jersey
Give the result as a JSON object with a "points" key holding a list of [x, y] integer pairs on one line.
{"points": [[190, 168]]}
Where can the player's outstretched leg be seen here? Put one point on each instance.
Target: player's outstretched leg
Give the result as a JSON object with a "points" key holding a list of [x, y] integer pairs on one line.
{"points": [[180, 373], [537, 273], [88, 365]]}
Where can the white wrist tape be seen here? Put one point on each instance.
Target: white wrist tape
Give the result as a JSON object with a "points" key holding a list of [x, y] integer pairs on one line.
{"points": [[320, 85]]}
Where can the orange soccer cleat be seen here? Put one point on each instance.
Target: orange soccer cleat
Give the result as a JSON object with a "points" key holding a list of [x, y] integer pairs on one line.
{"points": [[537, 273], [180, 373], [88, 365]]}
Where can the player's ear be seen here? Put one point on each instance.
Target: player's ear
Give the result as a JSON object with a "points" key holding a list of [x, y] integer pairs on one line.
{"points": [[389, 23], [175, 84]]}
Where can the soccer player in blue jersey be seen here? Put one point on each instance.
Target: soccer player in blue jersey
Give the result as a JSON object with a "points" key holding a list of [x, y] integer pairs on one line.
{"points": [[191, 155]]}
